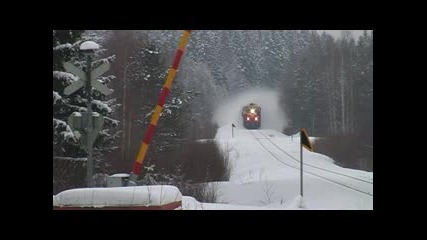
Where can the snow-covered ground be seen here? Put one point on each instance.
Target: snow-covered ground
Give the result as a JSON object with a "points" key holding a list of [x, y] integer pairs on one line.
{"points": [[266, 175], [265, 170]]}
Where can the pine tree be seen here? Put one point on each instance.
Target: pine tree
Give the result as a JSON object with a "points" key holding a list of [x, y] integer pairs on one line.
{"points": [[364, 85]]}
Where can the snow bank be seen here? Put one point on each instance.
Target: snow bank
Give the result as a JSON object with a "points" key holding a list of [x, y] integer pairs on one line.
{"points": [[190, 203], [297, 203], [266, 173], [55, 201], [119, 196]]}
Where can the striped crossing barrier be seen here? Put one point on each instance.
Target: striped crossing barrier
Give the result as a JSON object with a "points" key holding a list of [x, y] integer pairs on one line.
{"points": [[159, 107]]}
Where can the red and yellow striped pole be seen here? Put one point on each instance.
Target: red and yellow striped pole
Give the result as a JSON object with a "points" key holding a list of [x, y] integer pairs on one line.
{"points": [[162, 98]]}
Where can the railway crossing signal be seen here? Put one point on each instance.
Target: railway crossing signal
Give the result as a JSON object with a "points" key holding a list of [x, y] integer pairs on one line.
{"points": [[78, 123], [94, 74], [86, 126]]}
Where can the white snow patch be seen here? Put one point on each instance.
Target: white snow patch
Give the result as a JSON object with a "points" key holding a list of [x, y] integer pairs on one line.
{"points": [[57, 123], [102, 105], [151, 52], [166, 110], [89, 45], [68, 133], [120, 175], [62, 46], [176, 100], [69, 78], [56, 97]]}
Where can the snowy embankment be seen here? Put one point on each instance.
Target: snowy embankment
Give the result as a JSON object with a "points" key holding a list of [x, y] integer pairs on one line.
{"points": [[265, 173]]}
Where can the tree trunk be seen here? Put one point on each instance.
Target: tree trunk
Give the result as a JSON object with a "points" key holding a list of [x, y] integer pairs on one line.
{"points": [[343, 125], [125, 133]]}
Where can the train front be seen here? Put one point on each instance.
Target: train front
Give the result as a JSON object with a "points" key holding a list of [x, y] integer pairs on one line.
{"points": [[251, 116]]}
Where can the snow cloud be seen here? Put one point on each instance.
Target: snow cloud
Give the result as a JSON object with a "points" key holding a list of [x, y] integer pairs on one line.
{"points": [[229, 110]]}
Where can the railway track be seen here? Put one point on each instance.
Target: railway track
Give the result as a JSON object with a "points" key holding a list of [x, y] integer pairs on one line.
{"points": [[265, 140]]}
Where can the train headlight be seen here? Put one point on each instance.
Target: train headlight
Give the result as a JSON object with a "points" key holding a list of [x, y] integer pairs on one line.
{"points": [[248, 118], [256, 118], [253, 110]]}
